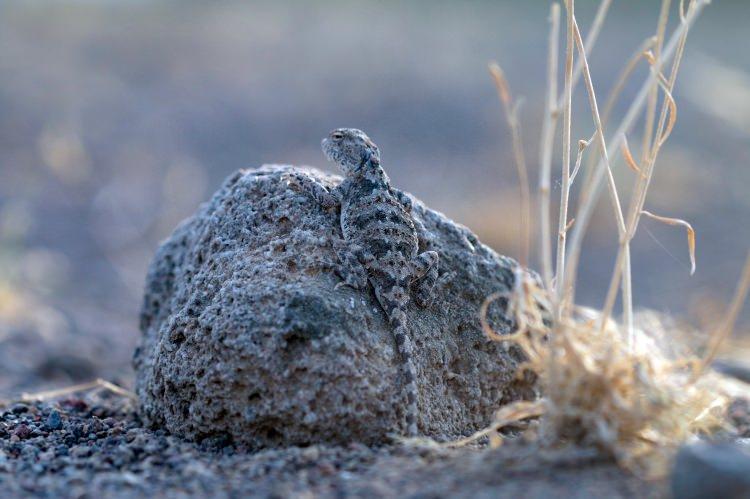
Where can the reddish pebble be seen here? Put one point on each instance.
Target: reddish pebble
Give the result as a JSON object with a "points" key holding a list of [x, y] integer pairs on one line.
{"points": [[22, 431]]}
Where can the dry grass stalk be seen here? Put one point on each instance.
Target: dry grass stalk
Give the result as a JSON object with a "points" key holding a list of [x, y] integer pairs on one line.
{"points": [[623, 78], [612, 98], [664, 128], [725, 329], [653, 96], [549, 123], [511, 116], [553, 104], [590, 193], [565, 187], [614, 197], [596, 27], [552, 111], [670, 108], [83, 387], [505, 416]]}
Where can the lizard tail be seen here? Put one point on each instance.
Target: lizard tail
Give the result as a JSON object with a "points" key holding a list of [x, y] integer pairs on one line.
{"points": [[403, 342]]}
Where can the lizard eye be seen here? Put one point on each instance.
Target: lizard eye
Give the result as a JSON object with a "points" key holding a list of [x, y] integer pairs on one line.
{"points": [[337, 135]]}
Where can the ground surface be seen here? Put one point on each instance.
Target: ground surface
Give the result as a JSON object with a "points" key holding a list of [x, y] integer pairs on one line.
{"points": [[119, 118], [97, 447]]}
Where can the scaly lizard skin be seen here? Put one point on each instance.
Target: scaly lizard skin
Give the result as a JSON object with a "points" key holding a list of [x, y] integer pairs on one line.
{"points": [[381, 241]]}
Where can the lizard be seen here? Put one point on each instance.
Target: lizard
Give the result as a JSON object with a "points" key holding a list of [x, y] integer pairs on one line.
{"points": [[381, 241]]}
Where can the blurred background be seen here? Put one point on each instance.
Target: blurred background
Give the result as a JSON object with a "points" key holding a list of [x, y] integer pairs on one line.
{"points": [[117, 118]]}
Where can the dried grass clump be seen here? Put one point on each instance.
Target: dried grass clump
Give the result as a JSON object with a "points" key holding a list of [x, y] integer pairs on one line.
{"points": [[628, 387], [636, 403]]}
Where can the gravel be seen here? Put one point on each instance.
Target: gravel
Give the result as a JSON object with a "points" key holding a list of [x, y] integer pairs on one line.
{"points": [[98, 447]]}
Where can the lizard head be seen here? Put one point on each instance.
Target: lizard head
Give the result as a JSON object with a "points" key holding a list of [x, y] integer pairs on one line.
{"points": [[351, 149]]}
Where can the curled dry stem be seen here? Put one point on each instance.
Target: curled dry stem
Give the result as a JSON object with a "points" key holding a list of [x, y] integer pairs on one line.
{"points": [[681, 223]]}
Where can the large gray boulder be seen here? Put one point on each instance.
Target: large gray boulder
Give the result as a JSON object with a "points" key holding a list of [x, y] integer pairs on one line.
{"points": [[244, 336]]}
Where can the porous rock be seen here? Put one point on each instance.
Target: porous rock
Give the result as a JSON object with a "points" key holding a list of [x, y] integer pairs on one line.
{"points": [[245, 338]]}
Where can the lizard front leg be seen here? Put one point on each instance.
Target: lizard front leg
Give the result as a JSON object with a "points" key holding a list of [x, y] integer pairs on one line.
{"points": [[303, 183], [424, 238]]}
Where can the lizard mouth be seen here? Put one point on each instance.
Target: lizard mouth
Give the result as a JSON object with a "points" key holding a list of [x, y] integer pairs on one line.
{"points": [[325, 145]]}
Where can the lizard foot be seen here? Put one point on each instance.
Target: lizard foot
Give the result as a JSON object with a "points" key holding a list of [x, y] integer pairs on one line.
{"points": [[350, 267], [429, 288], [293, 181]]}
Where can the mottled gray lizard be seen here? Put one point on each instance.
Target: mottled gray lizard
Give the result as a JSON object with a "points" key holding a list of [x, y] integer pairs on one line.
{"points": [[381, 241]]}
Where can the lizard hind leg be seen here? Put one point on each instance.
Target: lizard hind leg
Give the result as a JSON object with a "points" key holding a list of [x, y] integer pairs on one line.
{"points": [[352, 267], [424, 272]]}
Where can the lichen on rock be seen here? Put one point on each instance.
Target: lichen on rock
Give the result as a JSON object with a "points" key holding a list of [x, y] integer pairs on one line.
{"points": [[244, 336]]}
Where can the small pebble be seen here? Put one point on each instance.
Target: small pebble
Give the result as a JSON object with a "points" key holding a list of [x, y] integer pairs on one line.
{"points": [[19, 408], [80, 451], [54, 422], [706, 470], [22, 431]]}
